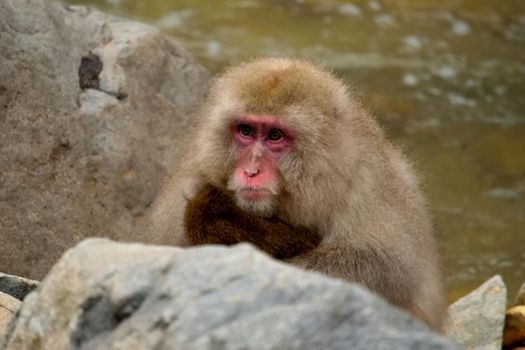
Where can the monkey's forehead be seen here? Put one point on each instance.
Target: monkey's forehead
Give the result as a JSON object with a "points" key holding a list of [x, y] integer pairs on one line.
{"points": [[270, 86]]}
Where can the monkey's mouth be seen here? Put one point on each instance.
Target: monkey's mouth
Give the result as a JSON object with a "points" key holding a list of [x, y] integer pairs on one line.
{"points": [[255, 193]]}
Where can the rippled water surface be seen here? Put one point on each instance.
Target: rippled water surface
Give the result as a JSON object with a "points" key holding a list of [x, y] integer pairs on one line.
{"points": [[445, 77]]}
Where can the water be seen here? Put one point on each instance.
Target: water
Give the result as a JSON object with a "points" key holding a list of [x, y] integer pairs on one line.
{"points": [[445, 77]]}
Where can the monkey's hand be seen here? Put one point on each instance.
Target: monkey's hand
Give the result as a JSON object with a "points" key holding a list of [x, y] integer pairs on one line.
{"points": [[212, 217]]}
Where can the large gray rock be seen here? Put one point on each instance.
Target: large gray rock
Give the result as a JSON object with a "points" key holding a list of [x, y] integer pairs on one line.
{"points": [[476, 320], [76, 162], [107, 295]]}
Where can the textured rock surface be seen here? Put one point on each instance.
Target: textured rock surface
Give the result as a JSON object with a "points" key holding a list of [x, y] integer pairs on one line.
{"points": [[15, 286], [8, 307], [80, 162], [476, 320], [107, 295]]}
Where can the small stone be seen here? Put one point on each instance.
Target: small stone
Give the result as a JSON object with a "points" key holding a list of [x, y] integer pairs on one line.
{"points": [[506, 193], [412, 41], [213, 48], [385, 20], [514, 331], [410, 79], [515, 32], [374, 5], [175, 19], [15, 286], [520, 297], [460, 27], [349, 9], [460, 100], [446, 72]]}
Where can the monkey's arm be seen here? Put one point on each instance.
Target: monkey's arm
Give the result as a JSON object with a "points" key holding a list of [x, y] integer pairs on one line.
{"points": [[380, 270], [212, 217], [377, 269]]}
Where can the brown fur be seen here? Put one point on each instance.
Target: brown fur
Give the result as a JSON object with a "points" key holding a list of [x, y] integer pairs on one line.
{"points": [[342, 179], [212, 217]]}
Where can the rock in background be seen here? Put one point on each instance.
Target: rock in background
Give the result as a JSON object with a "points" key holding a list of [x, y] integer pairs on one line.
{"points": [[476, 320], [16, 287], [13, 290], [77, 162], [107, 295]]}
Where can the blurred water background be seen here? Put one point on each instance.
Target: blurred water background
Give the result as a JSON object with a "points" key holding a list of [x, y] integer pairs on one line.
{"points": [[446, 78]]}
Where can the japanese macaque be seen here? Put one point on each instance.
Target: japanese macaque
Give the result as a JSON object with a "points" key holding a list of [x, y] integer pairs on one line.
{"points": [[286, 158]]}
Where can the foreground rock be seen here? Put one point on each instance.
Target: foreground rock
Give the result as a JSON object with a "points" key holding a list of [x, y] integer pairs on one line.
{"points": [[15, 286], [106, 295], [8, 307], [476, 320], [83, 147]]}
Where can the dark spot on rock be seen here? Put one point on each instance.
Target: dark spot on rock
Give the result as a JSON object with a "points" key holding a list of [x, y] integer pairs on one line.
{"points": [[96, 318], [161, 324], [121, 95], [101, 315], [129, 306], [90, 68], [60, 150]]}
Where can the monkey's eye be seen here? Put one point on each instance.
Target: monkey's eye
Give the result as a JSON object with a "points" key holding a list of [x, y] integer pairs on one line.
{"points": [[246, 130], [275, 135]]}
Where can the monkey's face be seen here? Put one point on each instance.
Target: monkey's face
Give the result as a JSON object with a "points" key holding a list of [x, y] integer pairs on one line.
{"points": [[259, 143]]}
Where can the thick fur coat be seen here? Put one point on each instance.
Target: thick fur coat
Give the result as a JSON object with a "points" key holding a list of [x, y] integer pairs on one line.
{"points": [[212, 217]]}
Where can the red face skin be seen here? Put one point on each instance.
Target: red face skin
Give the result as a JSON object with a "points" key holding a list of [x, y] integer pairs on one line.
{"points": [[262, 141]]}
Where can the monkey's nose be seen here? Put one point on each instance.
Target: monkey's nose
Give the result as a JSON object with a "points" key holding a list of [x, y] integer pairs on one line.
{"points": [[251, 172]]}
